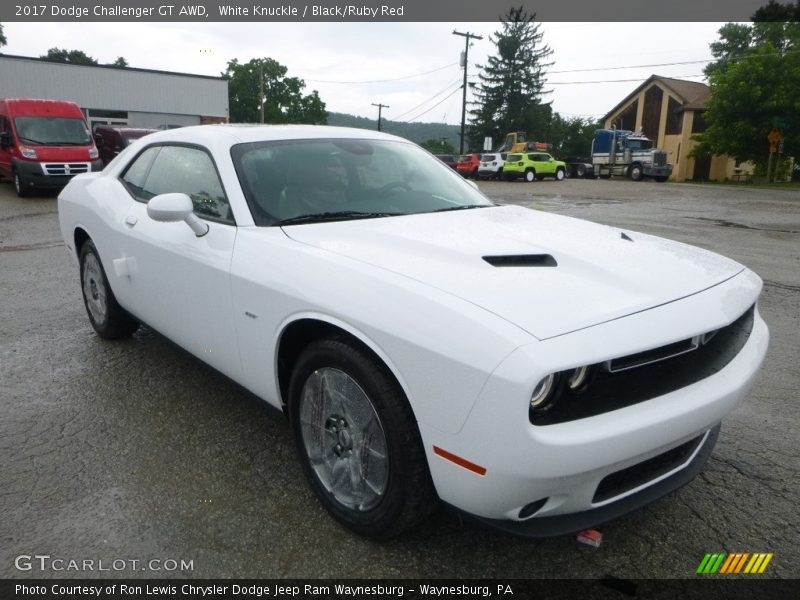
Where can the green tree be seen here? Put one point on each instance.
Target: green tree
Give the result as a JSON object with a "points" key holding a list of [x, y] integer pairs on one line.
{"points": [[75, 57], [120, 62], [509, 95], [571, 137], [3, 40], [755, 86], [439, 146], [284, 101]]}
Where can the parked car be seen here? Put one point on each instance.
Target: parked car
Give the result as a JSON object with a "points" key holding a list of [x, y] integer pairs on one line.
{"points": [[468, 165], [111, 140], [447, 159], [533, 166], [538, 372], [491, 166], [44, 143]]}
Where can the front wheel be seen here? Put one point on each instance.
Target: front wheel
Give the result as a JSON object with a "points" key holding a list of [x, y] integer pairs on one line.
{"points": [[20, 186], [530, 175], [107, 317], [635, 172], [580, 171], [358, 440]]}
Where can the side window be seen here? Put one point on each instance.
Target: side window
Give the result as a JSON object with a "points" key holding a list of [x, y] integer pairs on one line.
{"points": [[192, 172], [136, 174]]}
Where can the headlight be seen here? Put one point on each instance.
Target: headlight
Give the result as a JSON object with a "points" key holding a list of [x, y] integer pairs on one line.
{"points": [[544, 394], [93, 153], [578, 379], [27, 152]]}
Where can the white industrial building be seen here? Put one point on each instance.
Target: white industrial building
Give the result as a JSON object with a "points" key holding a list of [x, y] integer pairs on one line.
{"points": [[119, 96]]}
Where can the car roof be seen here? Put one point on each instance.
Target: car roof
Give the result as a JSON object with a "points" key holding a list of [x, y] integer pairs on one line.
{"points": [[234, 134]]}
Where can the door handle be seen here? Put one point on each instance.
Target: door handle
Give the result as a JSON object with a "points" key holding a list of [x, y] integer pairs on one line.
{"points": [[130, 221]]}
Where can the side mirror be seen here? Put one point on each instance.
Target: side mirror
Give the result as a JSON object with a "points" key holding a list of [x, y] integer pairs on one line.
{"points": [[174, 207], [5, 139]]}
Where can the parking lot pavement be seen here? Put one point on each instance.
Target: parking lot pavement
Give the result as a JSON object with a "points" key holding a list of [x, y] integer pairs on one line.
{"points": [[134, 450]]}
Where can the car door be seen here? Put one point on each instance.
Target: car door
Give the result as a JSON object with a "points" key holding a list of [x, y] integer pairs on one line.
{"points": [[545, 165], [179, 283]]}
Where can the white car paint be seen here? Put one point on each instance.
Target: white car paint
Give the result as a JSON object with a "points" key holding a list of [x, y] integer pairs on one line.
{"points": [[467, 341]]}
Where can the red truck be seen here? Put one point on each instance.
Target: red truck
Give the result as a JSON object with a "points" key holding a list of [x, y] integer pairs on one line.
{"points": [[44, 143]]}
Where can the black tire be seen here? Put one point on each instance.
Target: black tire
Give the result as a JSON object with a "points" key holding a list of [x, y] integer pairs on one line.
{"points": [[407, 495], [635, 172], [499, 175], [530, 175], [107, 317], [580, 171], [20, 185]]}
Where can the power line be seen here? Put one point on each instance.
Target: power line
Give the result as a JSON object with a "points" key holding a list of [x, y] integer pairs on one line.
{"points": [[434, 106], [611, 80], [383, 80], [669, 64], [440, 92]]}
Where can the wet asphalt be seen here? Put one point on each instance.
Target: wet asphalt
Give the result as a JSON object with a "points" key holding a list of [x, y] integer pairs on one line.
{"points": [[135, 451]]}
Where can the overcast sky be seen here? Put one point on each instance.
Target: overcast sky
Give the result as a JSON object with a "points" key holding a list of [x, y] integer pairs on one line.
{"points": [[360, 52]]}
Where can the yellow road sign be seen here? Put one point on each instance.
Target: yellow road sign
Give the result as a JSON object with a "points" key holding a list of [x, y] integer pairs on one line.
{"points": [[774, 137]]}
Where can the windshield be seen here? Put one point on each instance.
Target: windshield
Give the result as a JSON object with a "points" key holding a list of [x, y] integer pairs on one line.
{"points": [[639, 144], [346, 179], [52, 131]]}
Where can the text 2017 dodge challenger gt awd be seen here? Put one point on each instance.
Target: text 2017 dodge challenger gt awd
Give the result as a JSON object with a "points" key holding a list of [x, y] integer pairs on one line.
{"points": [[538, 372]]}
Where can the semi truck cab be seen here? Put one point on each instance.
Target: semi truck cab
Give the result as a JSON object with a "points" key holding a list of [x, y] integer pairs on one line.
{"points": [[629, 154]]}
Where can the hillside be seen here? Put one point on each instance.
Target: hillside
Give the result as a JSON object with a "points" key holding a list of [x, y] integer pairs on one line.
{"points": [[416, 132]]}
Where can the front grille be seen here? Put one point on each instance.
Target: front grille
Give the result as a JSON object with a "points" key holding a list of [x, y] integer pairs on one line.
{"points": [[614, 390], [659, 159], [65, 169], [625, 480]]}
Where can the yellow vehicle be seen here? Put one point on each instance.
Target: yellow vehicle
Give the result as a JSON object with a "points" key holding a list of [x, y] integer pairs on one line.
{"points": [[517, 141]]}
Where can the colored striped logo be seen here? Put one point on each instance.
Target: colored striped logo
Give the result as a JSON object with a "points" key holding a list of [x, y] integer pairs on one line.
{"points": [[735, 562]]}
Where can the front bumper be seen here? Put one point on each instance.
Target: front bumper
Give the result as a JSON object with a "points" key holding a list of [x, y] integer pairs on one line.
{"points": [[34, 174], [578, 521], [567, 464], [651, 171]]}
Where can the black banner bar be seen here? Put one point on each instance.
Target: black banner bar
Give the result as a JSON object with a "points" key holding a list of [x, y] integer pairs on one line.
{"points": [[701, 588], [266, 11]]}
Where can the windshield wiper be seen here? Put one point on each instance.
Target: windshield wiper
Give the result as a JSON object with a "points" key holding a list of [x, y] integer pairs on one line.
{"points": [[339, 215], [462, 207], [32, 141]]}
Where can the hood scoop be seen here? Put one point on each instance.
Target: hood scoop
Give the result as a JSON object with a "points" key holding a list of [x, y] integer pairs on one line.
{"points": [[521, 260]]}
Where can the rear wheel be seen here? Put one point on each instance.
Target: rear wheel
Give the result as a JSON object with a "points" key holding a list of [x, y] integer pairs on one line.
{"points": [[358, 440], [107, 317], [580, 171], [530, 175], [559, 174]]}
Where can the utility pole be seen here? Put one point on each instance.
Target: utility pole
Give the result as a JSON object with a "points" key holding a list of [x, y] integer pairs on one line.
{"points": [[380, 108], [261, 93], [469, 36]]}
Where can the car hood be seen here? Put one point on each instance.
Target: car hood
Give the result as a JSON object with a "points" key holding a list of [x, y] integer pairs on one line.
{"points": [[595, 274]]}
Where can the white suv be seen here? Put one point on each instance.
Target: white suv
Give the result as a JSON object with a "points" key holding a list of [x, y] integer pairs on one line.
{"points": [[491, 166]]}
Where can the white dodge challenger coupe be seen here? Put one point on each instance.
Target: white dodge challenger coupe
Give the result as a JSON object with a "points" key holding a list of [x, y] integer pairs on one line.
{"points": [[537, 372]]}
